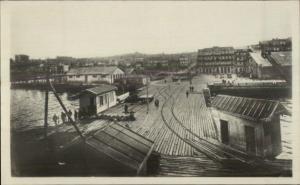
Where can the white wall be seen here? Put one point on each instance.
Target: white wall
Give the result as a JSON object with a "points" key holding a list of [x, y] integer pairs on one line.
{"points": [[110, 78], [109, 100], [75, 78], [236, 127]]}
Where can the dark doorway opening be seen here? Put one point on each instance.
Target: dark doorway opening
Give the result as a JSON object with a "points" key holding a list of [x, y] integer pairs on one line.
{"points": [[250, 139], [224, 132], [92, 102]]}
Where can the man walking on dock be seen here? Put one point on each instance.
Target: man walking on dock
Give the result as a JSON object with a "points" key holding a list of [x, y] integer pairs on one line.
{"points": [[70, 114], [126, 108], [55, 119], [75, 115], [63, 117], [156, 103]]}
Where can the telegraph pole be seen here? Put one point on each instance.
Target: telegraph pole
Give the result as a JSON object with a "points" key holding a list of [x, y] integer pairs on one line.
{"points": [[46, 102], [147, 96]]}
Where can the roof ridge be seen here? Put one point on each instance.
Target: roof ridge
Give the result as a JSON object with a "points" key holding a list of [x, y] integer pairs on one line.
{"points": [[274, 101]]}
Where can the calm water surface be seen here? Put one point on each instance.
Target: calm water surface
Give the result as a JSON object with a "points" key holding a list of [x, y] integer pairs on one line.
{"points": [[27, 108]]}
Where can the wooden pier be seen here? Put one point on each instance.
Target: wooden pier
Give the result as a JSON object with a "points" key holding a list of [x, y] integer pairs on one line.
{"points": [[183, 133]]}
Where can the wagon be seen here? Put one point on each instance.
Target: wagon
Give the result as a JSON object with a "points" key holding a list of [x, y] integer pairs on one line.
{"points": [[144, 98]]}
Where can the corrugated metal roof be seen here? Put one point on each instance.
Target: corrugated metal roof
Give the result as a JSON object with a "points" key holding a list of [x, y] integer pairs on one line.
{"points": [[92, 70], [248, 108], [283, 58], [122, 145], [259, 59], [103, 88]]}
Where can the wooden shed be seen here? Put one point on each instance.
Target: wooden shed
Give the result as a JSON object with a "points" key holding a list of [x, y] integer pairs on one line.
{"points": [[111, 151], [98, 99], [248, 124]]}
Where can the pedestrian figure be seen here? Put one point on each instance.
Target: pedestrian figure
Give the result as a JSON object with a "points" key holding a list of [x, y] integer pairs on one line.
{"points": [[126, 108], [55, 119], [156, 103], [70, 115], [187, 94], [63, 117], [75, 115]]}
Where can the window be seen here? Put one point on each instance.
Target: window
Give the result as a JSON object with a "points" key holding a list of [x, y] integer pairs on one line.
{"points": [[94, 76], [71, 76], [77, 76], [101, 100]]}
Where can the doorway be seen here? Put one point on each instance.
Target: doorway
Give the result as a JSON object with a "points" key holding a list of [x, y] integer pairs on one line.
{"points": [[250, 139], [224, 132]]}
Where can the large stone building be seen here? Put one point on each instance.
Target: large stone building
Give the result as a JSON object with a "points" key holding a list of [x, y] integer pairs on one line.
{"points": [[275, 45], [242, 57], [217, 60], [21, 58]]}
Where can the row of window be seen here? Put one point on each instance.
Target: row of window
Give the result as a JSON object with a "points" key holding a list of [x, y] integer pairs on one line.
{"points": [[217, 63], [223, 70], [95, 76], [228, 57]]}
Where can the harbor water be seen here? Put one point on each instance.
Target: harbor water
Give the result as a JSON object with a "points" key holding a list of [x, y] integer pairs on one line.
{"points": [[27, 108]]}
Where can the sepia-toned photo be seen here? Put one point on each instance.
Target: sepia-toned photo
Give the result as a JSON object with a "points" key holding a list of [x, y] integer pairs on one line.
{"points": [[149, 89]]}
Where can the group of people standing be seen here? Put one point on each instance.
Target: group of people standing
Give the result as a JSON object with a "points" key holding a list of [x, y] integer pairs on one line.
{"points": [[65, 118], [188, 92]]}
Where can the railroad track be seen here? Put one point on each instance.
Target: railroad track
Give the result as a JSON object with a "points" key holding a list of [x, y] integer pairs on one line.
{"points": [[202, 145]]}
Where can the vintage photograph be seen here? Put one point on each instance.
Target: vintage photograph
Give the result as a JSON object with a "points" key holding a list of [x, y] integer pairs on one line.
{"points": [[150, 89]]}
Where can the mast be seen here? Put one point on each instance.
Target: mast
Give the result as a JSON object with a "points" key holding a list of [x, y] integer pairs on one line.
{"points": [[147, 96], [46, 102]]}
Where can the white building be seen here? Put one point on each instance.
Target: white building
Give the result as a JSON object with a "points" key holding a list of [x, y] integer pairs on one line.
{"points": [[95, 74], [98, 99]]}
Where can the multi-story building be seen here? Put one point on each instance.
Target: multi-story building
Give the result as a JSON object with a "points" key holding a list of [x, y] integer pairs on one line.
{"points": [[21, 58], [217, 60], [184, 61], [242, 61], [275, 45]]}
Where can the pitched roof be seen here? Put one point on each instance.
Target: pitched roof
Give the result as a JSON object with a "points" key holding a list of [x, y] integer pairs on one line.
{"points": [[103, 88], [128, 70], [259, 59], [248, 108], [92, 70], [283, 58], [121, 144]]}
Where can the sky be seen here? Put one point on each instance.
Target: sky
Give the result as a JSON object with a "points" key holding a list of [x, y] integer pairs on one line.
{"points": [[93, 29]]}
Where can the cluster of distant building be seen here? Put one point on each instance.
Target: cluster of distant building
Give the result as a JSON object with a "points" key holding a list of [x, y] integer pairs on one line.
{"points": [[267, 60], [270, 59]]}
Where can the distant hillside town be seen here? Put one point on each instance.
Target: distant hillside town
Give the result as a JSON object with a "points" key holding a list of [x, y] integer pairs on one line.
{"points": [[269, 59]]}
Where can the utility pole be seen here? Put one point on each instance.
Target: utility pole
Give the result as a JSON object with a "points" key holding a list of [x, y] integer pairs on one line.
{"points": [[46, 102], [147, 96]]}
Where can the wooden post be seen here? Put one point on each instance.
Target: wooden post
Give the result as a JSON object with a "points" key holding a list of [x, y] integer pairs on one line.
{"points": [[66, 111], [147, 96], [46, 104]]}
